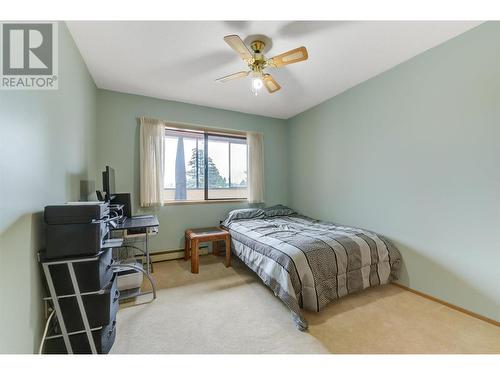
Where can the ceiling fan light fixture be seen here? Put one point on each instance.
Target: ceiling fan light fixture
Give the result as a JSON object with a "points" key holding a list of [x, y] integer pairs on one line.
{"points": [[257, 85], [257, 63]]}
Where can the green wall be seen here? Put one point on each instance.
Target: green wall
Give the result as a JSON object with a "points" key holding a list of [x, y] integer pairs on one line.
{"points": [[47, 146], [414, 154], [118, 146]]}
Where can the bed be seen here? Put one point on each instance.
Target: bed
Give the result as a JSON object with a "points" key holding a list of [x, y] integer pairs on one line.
{"points": [[309, 263]]}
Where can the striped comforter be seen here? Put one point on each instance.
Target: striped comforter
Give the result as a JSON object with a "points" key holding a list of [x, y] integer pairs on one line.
{"points": [[309, 263]]}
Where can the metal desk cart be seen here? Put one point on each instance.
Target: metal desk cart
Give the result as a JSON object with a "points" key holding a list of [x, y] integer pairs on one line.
{"points": [[142, 227]]}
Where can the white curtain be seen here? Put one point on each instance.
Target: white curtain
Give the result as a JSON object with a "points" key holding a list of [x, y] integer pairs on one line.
{"points": [[255, 167], [152, 161]]}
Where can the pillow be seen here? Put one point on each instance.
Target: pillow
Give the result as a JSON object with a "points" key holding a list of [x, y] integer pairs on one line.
{"points": [[278, 210], [244, 214]]}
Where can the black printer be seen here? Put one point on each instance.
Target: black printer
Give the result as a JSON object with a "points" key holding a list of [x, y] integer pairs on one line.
{"points": [[76, 229]]}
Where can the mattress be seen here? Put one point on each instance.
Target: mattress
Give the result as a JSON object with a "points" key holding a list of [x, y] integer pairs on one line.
{"points": [[309, 263]]}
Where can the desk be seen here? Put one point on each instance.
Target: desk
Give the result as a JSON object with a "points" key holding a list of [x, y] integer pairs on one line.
{"points": [[140, 222]]}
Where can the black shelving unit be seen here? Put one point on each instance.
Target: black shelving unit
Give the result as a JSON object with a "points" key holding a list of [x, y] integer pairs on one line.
{"points": [[81, 277], [98, 339]]}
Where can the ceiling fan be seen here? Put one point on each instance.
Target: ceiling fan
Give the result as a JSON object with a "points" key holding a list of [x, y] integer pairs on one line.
{"points": [[257, 63]]}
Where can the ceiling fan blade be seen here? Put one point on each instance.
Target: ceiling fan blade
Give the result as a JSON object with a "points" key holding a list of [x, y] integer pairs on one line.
{"points": [[237, 44], [290, 57], [233, 76], [271, 85]]}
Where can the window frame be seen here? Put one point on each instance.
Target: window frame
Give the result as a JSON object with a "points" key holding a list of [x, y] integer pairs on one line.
{"points": [[206, 133]]}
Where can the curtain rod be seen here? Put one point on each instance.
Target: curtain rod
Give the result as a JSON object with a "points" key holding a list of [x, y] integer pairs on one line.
{"points": [[199, 127]]}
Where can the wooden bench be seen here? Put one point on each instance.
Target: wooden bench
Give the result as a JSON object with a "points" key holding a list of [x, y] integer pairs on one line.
{"points": [[193, 238]]}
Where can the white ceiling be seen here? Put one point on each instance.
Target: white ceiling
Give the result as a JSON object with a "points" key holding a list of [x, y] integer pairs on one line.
{"points": [[179, 60]]}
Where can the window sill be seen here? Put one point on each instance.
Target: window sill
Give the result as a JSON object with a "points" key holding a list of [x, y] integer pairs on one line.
{"points": [[174, 203]]}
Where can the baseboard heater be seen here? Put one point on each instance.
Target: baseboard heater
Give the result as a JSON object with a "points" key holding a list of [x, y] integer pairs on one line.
{"points": [[161, 256]]}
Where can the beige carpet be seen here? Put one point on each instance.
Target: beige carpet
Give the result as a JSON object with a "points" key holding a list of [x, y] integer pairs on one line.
{"points": [[228, 310]]}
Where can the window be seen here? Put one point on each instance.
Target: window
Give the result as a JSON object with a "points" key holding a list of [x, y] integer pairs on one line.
{"points": [[186, 166]]}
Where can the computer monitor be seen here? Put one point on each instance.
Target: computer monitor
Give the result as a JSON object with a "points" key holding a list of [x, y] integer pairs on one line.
{"points": [[108, 183]]}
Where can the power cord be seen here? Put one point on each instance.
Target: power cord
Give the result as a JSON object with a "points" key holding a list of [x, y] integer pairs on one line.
{"points": [[40, 350]]}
